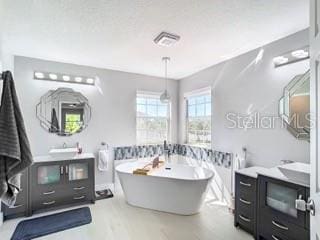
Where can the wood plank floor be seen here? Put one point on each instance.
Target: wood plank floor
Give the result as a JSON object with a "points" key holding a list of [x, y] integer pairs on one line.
{"points": [[113, 219]]}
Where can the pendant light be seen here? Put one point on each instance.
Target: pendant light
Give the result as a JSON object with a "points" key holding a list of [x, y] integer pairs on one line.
{"points": [[165, 97]]}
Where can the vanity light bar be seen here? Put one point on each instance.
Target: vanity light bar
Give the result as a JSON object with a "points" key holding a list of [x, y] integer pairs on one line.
{"points": [[62, 77], [292, 57]]}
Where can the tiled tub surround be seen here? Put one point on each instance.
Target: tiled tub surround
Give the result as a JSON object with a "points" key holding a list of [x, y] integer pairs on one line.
{"points": [[218, 158]]}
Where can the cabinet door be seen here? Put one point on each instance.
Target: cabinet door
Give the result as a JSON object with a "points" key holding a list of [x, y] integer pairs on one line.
{"points": [[278, 198], [48, 174], [79, 171], [80, 180]]}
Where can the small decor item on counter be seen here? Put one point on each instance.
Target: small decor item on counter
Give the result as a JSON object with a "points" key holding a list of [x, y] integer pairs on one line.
{"points": [[156, 163], [79, 148]]}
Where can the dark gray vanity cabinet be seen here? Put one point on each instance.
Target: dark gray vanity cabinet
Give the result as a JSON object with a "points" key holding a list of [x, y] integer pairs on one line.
{"points": [[21, 207], [278, 217], [58, 184], [246, 203]]}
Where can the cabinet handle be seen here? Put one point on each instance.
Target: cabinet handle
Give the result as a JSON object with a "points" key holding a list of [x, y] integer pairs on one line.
{"points": [[78, 198], [16, 206], [275, 238], [244, 218], [49, 203], [78, 188], [245, 184], [48, 193], [61, 170], [244, 201], [280, 226]]}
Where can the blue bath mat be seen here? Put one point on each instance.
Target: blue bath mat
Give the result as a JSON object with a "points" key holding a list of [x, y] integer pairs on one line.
{"points": [[38, 227]]}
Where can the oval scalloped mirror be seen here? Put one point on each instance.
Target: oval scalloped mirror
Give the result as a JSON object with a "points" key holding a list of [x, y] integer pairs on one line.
{"points": [[63, 112]]}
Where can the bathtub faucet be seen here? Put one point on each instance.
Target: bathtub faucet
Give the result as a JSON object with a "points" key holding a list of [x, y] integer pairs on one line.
{"points": [[167, 152]]}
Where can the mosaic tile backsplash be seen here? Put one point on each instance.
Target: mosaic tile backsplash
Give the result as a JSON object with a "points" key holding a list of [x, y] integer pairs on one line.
{"points": [[216, 157]]}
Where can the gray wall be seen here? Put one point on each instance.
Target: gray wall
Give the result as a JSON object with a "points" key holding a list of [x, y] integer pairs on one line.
{"points": [[113, 110], [240, 85]]}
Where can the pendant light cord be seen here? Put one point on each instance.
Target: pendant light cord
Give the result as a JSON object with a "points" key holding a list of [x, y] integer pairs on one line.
{"points": [[166, 73], [166, 59]]}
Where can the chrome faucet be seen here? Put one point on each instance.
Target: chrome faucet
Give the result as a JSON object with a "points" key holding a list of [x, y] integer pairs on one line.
{"points": [[64, 145], [167, 152]]}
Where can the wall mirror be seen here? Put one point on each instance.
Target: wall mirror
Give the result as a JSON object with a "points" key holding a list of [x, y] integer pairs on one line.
{"points": [[294, 106], [63, 112]]}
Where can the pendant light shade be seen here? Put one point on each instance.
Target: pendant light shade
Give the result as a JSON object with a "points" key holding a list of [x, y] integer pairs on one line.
{"points": [[165, 97]]}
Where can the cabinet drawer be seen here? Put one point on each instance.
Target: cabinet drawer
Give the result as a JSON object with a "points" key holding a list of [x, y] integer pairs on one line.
{"points": [[274, 236], [78, 198], [245, 216], [45, 204], [84, 186], [49, 198], [245, 208], [245, 221], [272, 225], [246, 185], [42, 194], [19, 207], [246, 198]]}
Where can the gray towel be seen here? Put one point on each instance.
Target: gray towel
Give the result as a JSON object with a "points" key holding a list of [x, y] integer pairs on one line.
{"points": [[15, 154], [54, 122]]}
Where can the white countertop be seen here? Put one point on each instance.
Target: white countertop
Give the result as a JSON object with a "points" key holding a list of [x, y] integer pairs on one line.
{"points": [[48, 158], [251, 171], [274, 172]]}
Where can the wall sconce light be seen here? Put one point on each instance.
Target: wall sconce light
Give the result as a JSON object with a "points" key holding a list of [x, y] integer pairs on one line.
{"points": [[292, 57], [59, 77]]}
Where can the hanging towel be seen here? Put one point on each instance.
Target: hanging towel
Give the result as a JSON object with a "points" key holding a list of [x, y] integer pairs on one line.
{"points": [[103, 159], [15, 153], [54, 122], [239, 162]]}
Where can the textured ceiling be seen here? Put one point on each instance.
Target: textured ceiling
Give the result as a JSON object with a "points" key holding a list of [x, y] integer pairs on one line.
{"points": [[118, 34]]}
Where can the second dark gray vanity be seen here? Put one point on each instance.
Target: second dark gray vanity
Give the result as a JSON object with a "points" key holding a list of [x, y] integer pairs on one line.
{"points": [[265, 205]]}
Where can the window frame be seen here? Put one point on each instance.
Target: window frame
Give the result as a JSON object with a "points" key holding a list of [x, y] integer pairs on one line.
{"points": [[154, 95], [187, 96], [65, 112]]}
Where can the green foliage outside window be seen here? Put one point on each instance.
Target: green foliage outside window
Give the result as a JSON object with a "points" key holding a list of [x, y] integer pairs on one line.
{"points": [[199, 120], [152, 122], [73, 123]]}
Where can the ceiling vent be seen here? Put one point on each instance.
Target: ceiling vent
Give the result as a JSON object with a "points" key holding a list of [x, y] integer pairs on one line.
{"points": [[166, 39]]}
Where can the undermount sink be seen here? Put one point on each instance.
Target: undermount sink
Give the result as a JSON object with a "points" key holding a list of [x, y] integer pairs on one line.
{"points": [[297, 171], [63, 152]]}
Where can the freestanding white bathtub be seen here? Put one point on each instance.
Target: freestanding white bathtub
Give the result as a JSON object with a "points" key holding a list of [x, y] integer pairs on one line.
{"points": [[173, 188]]}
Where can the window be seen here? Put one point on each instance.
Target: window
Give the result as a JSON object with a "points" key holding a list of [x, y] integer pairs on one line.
{"points": [[199, 118], [72, 118], [153, 119], [72, 122]]}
